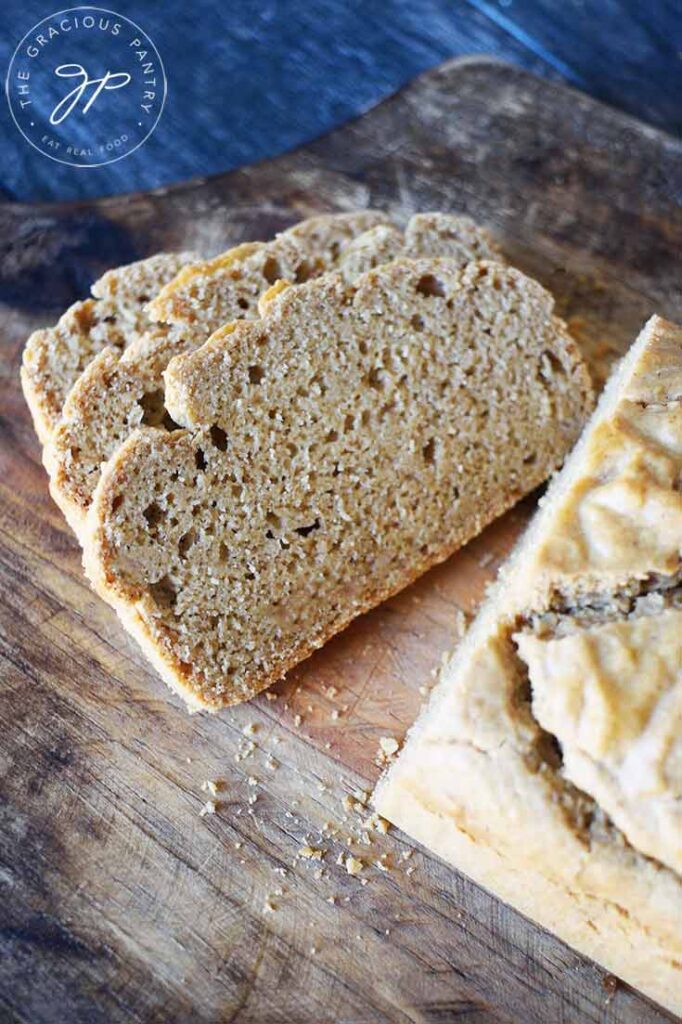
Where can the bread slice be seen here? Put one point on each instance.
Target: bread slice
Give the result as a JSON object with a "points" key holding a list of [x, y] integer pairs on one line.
{"points": [[548, 764], [120, 392], [228, 287], [356, 435], [426, 235], [55, 357]]}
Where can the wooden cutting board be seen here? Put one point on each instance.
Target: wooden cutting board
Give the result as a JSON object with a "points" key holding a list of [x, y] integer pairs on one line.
{"points": [[118, 902]]}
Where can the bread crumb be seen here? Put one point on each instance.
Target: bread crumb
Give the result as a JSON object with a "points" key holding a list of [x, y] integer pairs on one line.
{"points": [[210, 807], [354, 865], [238, 845], [388, 748], [332, 900], [245, 751], [311, 853], [332, 692], [210, 786], [406, 854], [610, 985], [389, 745], [250, 729], [297, 721], [361, 795], [269, 907], [335, 714], [376, 823], [271, 696], [382, 863], [252, 781]]}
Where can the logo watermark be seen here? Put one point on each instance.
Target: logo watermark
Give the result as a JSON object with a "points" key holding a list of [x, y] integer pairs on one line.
{"points": [[86, 86]]}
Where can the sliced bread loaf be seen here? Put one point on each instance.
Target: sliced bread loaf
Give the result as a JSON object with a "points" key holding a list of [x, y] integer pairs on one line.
{"points": [[356, 435], [55, 357], [121, 392], [548, 764]]}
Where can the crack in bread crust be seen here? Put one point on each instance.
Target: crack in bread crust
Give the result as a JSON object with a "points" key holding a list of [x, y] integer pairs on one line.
{"points": [[636, 597]]}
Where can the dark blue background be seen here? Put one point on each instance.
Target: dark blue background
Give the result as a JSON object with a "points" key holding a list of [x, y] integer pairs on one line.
{"points": [[251, 78]]}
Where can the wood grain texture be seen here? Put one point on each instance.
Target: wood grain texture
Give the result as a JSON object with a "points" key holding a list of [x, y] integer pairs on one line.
{"points": [[117, 901]]}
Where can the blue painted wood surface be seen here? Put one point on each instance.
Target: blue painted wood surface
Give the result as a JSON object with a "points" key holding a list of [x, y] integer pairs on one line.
{"points": [[248, 79]]}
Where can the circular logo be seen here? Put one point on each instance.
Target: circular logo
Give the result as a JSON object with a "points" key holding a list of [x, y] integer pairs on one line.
{"points": [[86, 86]]}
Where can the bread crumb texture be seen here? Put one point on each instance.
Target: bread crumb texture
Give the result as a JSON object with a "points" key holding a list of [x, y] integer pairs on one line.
{"points": [[548, 764], [122, 391], [54, 357], [336, 449]]}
